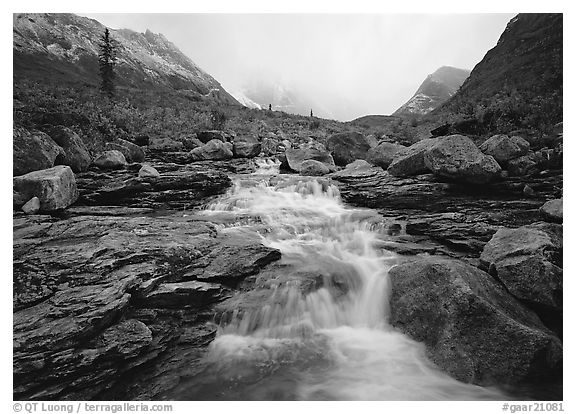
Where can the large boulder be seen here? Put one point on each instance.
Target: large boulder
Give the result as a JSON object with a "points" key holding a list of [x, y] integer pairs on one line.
{"points": [[246, 146], [410, 161], [76, 154], [314, 168], [528, 261], [110, 160], [504, 148], [55, 187], [383, 154], [552, 210], [472, 327], [207, 136], [296, 156], [32, 151], [457, 157], [347, 147], [213, 150], [132, 152]]}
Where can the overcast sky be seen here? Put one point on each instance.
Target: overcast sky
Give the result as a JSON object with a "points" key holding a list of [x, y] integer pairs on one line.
{"points": [[372, 62]]}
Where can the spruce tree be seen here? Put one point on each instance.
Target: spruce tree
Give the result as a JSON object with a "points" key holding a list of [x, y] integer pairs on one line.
{"points": [[107, 60]]}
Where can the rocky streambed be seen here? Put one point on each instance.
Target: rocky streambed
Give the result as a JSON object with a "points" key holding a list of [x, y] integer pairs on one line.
{"points": [[121, 295]]}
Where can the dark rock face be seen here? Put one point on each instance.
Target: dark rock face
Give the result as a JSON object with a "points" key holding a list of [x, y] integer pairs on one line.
{"points": [[347, 147], [213, 150], [246, 146], [97, 297], [33, 150], [55, 187], [132, 152], [110, 160], [76, 153], [410, 161], [528, 261], [504, 148], [457, 157], [295, 157], [552, 210], [471, 326], [383, 154]]}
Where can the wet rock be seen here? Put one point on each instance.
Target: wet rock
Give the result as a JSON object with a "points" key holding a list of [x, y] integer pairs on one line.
{"points": [[346, 147], [109, 160], [527, 261], [179, 295], [32, 206], [383, 154], [552, 210], [295, 157], [147, 171], [457, 157], [504, 148], [132, 152], [314, 168], [76, 154], [32, 151], [246, 146], [207, 136], [410, 161], [471, 326], [55, 187], [213, 150]]}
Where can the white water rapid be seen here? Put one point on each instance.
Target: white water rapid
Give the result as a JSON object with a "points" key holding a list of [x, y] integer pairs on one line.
{"points": [[332, 342]]}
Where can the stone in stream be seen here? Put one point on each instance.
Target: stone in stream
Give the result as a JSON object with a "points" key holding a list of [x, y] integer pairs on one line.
{"points": [[471, 326], [346, 147], [132, 152], [55, 187], [294, 158], [110, 160], [246, 146], [552, 210], [178, 295], [313, 168], [213, 150], [76, 154], [32, 151], [383, 154], [410, 161], [147, 171]]}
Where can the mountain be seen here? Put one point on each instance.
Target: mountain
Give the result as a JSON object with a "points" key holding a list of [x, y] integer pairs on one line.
{"points": [[436, 89], [519, 82], [64, 48]]}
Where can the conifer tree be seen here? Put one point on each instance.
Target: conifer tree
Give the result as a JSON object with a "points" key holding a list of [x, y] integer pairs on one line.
{"points": [[107, 61]]}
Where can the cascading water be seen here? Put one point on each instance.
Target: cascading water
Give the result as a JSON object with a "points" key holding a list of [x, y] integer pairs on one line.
{"points": [[332, 342]]}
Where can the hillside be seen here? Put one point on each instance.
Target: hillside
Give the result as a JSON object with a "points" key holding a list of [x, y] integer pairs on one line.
{"points": [[518, 83], [64, 48], [436, 89]]}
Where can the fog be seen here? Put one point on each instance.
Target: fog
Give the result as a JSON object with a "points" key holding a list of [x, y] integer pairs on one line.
{"points": [[342, 65]]}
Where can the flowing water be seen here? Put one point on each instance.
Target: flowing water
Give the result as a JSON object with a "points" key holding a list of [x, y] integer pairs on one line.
{"points": [[331, 342]]}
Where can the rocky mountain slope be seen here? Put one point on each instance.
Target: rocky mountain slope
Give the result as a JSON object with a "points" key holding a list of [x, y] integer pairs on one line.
{"points": [[64, 47], [435, 90], [519, 82]]}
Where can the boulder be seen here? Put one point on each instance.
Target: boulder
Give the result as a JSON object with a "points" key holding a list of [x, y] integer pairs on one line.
{"points": [[383, 154], [32, 151], [178, 295], [314, 168], [191, 142], [456, 157], [213, 150], [347, 147], [527, 260], [32, 206], [295, 157], [110, 160], [471, 327], [525, 165], [246, 146], [504, 148], [148, 171], [552, 210], [132, 152], [165, 144], [410, 161], [55, 187], [76, 154], [207, 136]]}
